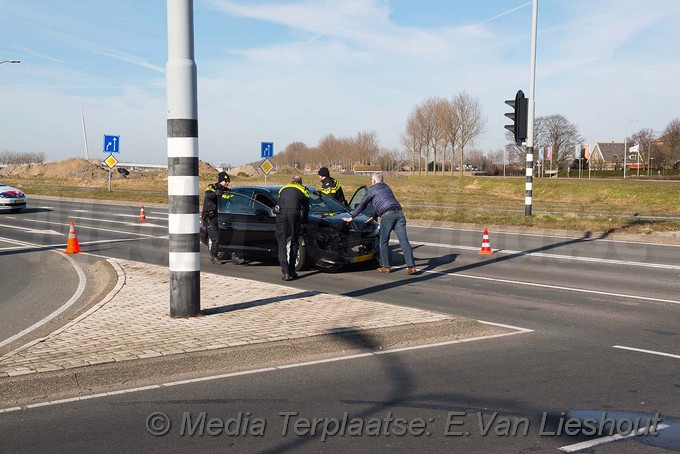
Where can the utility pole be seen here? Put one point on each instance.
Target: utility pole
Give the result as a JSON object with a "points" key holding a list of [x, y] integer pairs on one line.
{"points": [[530, 123], [87, 154], [183, 195]]}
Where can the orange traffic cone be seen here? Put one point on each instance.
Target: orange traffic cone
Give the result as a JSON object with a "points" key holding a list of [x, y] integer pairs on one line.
{"points": [[486, 246], [72, 246], [142, 216]]}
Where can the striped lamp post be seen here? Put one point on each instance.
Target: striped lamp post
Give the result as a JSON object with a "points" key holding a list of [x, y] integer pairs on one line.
{"points": [[183, 195]]}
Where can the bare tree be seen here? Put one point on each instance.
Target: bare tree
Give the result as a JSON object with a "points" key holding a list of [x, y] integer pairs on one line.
{"points": [[516, 153], [410, 141], [9, 157], [452, 129], [471, 121], [425, 130], [645, 139], [367, 146], [295, 151], [671, 139], [560, 134]]}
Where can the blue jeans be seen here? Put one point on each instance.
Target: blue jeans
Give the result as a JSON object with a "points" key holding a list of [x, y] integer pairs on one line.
{"points": [[394, 220]]}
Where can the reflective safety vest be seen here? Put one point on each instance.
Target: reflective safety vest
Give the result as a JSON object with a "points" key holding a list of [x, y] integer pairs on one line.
{"points": [[333, 190], [225, 194], [299, 187]]}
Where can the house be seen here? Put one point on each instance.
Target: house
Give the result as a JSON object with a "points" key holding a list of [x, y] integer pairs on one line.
{"points": [[365, 169], [607, 156]]}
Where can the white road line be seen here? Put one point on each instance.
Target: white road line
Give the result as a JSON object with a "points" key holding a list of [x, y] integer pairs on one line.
{"points": [[651, 352], [120, 281], [141, 224], [266, 369], [145, 215], [555, 287], [85, 243], [540, 235], [600, 441], [551, 256], [31, 230], [123, 232], [82, 281]]}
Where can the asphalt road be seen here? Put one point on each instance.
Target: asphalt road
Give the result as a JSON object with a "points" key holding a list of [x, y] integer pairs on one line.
{"points": [[28, 293], [606, 338]]}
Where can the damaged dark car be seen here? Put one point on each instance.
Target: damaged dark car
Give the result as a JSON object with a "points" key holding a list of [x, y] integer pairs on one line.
{"points": [[247, 221]]}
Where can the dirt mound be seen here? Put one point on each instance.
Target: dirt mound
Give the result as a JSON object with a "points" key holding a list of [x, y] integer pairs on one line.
{"points": [[204, 167], [87, 171], [244, 169], [68, 168]]}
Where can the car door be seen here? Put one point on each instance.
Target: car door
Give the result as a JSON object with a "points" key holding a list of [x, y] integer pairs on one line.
{"points": [[246, 225], [356, 199]]}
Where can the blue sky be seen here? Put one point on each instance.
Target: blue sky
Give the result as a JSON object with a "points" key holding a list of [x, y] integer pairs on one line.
{"points": [[284, 71]]}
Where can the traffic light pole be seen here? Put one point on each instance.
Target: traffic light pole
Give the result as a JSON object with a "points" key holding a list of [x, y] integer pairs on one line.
{"points": [[530, 119], [183, 195]]}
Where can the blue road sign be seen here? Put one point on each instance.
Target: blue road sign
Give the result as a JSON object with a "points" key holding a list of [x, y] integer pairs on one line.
{"points": [[267, 150], [111, 144]]}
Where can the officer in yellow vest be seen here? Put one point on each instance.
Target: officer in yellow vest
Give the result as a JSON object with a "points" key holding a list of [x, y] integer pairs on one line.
{"points": [[290, 220], [330, 186], [212, 194]]}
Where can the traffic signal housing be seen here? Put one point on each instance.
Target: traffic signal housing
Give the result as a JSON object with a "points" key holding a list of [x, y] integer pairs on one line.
{"points": [[519, 117]]}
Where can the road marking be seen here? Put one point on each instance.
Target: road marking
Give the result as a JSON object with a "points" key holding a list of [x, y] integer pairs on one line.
{"points": [[552, 256], [554, 287], [30, 230], [539, 235], [84, 226], [600, 441], [651, 352], [145, 224], [82, 280], [269, 369], [146, 216]]}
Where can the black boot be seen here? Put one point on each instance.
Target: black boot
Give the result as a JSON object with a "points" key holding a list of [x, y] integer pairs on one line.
{"points": [[236, 259]]}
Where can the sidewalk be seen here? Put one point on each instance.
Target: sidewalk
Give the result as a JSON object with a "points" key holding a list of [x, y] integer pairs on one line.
{"points": [[132, 322]]}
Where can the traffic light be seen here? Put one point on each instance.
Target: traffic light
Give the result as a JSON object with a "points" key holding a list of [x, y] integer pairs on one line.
{"points": [[519, 117]]}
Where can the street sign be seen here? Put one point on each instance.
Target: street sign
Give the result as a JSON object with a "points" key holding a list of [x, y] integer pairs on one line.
{"points": [[267, 166], [267, 149], [111, 144], [110, 161]]}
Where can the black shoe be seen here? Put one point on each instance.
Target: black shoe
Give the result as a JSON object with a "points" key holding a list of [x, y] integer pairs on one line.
{"points": [[293, 276], [237, 260], [215, 260]]}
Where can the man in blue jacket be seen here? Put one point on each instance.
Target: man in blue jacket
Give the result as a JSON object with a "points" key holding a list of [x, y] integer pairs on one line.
{"points": [[391, 218]]}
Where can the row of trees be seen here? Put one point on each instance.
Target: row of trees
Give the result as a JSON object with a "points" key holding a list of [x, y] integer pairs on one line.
{"points": [[339, 153], [442, 128], [9, 157], [439, 137], [438, 131], [662, 151], [556, 131]]}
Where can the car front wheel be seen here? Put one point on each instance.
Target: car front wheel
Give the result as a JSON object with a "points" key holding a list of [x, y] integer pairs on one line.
{"points": [[301, 259]]}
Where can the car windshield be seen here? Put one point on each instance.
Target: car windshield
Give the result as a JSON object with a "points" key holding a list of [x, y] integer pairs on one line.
{"points": [[324, 205]]}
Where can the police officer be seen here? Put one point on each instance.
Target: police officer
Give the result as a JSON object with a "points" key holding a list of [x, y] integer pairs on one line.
{"points": [[290, 222], [212, 194], [330, 186]]}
